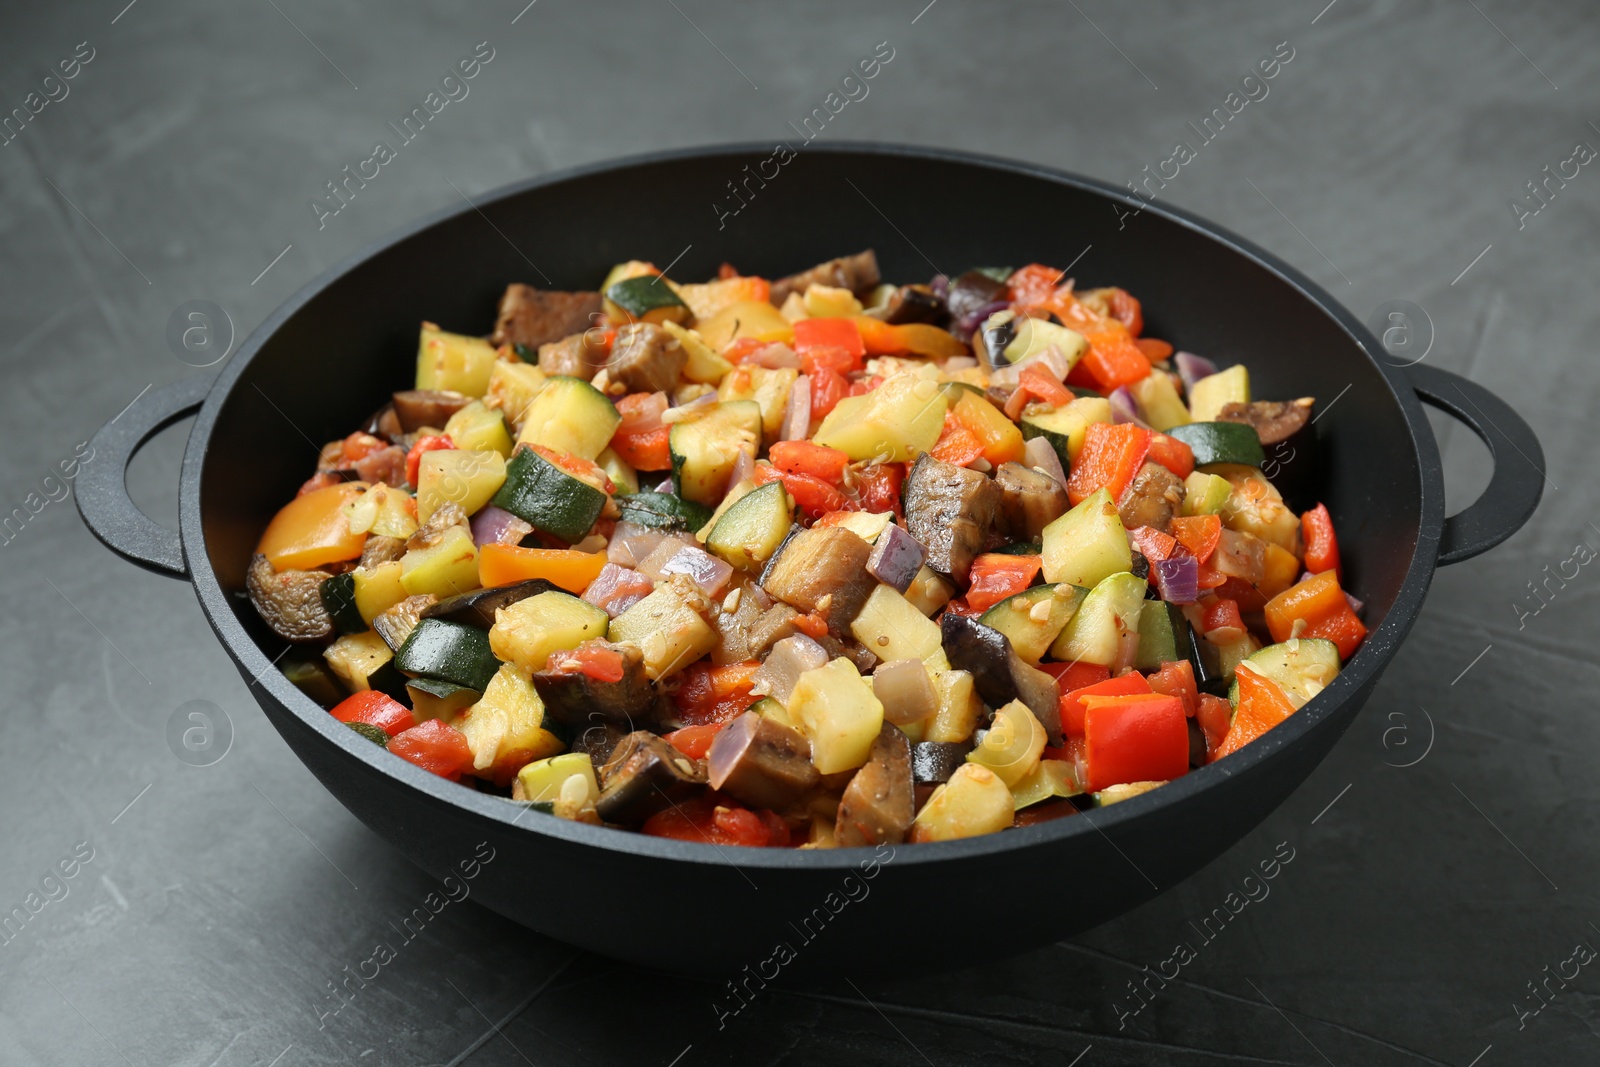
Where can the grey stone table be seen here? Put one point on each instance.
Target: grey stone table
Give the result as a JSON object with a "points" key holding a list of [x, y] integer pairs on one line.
{"points": [[1444, 858]]}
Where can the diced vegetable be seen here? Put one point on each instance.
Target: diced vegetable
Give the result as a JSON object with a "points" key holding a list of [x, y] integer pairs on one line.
{"points": [[1221, 442], [526, 632], [467, 479], [1087, 544], [896, 558], [443, 569], [569, 415], [1158, 402], [453, 361], [549, 498], [435, 747], [822, 571], [745, 318], [478, 428], [892, 629], [568, 568], [1143, 737], [767, 387], [1034, 618], [512, 387], [894, 422], [1067, 428], [449, 652], [375, 709], [1050, 779], [1012, 744], [1110, 611], [545, 779], [312, 530], [1205, 494], [1262, 704], [644, 299], [878, 805], [837, 711], [974, 801], [668, 626], [1208, 395], [706, 449], [1112, 455]]}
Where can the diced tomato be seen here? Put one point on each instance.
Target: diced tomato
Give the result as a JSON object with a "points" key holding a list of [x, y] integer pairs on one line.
{"points": [[812, 625], [837, 359], [1246, 594], [996, 575], [828, 387], [426, 443], [865, 386], [1112, 454], [1172, 454], [1125, 308], [711, 694], [375, 709], [803, 457], [1262, 705], [704, 820], [1198, 534], [1214, 715], [694, 741], [359, 446], [1221, 620], [1033, 284], [1176, 679], [1072, 707], [839, 334], [742, 348], [813, 496], [959, 606], [1039, 382], [435, 747], [592, 658], [1135, 738], [646, 451], [1322, 547], [879, 487], [957, 444], [1155, 545], [1155, 351], [1211, 578]]}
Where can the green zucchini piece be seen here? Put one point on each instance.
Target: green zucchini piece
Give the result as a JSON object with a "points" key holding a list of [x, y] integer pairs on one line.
{"points": [[1020, 548], [364, 661], [1066, 427], [313, 678], [647, 298], [1111, 609], [449, 652], [749, 532], [372, 733], [1205, 494], [1159, 627], [1035, 617], [1086, 544], [570, 415], [1302, 667], [1032, 336], [1213, 392], [1221, 442], [704, 450], [434, 698], [663, 511], [339, 600], [538, 492], [998, 274], [624, 477]]}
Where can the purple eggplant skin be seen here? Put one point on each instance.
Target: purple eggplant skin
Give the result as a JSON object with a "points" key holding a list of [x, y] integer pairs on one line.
{"points": [[880, 801], [999, 674], [573, 697], [952, 511], [761, 762], [933, 762], [896, 558], [477, 608], [1029, 500], [644, 775]]}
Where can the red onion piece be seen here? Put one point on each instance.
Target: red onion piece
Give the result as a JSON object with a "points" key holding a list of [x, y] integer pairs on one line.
{"points": [[669, 546], [774, 356], [616, 589], [646, 416], [1127, 653], [631, 543], [1191, 368], [903, 688], [1040, 454], [666, 486], [1178, 579], [1124, 408], [789, 659], [697, 406], [896, 558], [1050, 358], [709, 573], [743, 468], [496, 526], [797, 411], [966, 324]]}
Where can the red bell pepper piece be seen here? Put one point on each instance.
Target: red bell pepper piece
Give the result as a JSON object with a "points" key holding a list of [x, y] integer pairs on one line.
{"points": [[1072, 708], [1113, 359], [1199, 534], [1341, 626], [435, 747], [427, 443], [1036, 380], [813, 496], [1173, 454], [803, 457], [1075, 675], [1262, 705], [375, 709], [828, 387], [1136, 738], [1112, 454], [880, 486], [1176, 679], [1153, 544], [996, 575], [829, 333], [957, 444], [1322, 547]]}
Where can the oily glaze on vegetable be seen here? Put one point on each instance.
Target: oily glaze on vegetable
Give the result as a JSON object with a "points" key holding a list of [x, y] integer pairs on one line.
{"points": [[813, 561]]}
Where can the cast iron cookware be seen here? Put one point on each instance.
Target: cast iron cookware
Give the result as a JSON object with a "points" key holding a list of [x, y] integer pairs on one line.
{"points": [[319, 364]]}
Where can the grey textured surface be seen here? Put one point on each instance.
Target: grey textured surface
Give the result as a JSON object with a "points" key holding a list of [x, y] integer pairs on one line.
{"points": [[221, 900]]}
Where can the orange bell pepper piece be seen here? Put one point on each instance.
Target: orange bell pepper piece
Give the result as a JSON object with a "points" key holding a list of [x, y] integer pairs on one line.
{"points": [[570, 569], [996, 575], [312, 530], [1001, 440], [1262, 705], [1112, 454]]}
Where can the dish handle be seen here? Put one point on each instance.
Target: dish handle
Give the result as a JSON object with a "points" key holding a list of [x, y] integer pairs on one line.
{"points": [[1514, 490], [102, 487]]}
